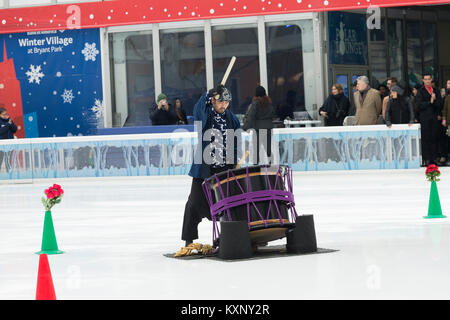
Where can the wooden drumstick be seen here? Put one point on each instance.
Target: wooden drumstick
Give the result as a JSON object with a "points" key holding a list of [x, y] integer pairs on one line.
{"points": [[227, 73], [242, 160]]}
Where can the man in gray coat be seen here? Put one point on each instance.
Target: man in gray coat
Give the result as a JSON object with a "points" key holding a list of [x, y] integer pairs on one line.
{"points": [[367, 103]]}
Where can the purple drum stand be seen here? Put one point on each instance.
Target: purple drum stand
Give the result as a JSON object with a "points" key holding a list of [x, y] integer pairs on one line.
{"points": [[272, 194]]}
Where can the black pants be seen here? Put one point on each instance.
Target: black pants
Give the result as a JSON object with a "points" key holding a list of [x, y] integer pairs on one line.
{"points": [[264, 144], [197, 207], [429, 131], [442, 141]]}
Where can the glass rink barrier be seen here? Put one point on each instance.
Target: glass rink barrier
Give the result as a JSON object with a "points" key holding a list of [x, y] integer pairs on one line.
{"points": [[349, 147], [303, 149]]}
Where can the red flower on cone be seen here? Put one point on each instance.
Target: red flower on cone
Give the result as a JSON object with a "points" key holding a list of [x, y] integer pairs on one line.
{"points": [[432, 173], [53, 196]]}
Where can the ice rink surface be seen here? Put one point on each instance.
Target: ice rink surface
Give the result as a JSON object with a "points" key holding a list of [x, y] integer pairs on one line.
{"points": [[114, 232]]}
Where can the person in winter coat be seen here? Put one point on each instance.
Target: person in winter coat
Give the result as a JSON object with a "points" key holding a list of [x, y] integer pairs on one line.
{"points": [[7, 126], [162, 113], [336, 107], [260, 117], [391, 82], [399, 109], [180, 113], [429, 103], [367, 103], [446, 108], [446, 116], [415, 91], [211, 113]]}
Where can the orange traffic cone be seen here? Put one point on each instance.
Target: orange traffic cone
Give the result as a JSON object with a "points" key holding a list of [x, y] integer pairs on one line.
{"points": [[45, 289]]}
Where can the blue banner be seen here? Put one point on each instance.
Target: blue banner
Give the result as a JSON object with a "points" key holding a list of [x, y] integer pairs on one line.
{"points": [[55, 80]]}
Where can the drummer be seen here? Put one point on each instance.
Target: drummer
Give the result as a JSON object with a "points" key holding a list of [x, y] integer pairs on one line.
{"points": [[213, 113]]}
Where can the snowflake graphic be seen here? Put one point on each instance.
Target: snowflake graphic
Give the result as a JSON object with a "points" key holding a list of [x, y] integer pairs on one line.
{"points": [[34, 74], [67, 96], [98, 108], [90, 51]]}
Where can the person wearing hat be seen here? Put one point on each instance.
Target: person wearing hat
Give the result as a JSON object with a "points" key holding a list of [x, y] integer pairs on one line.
{"points": [[162, 113], [399, 108], [7, 126], [415, 91], [259, 116], [216, 151]]}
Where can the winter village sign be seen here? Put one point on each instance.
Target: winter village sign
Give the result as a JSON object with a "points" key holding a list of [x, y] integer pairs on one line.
{"points": [[49, 44]]}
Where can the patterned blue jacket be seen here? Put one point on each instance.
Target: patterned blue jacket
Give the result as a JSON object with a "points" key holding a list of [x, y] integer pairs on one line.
{"points": [[203, 113]]}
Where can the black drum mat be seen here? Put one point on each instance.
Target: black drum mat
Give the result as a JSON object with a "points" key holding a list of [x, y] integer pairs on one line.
{"points": [[261, 253]]}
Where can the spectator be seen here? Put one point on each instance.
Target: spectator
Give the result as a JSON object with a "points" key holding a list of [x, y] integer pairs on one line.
{"points": [[352, 110], [429, 102], [441, 137], [162, 113], [384, 92], [391, 81], [399, 108], [445, 123], [443, 93], [446, 109], [180, 113], [335, 107], [434, 84], [413, 99], [7, 126], [259, 116], [367, 103]]}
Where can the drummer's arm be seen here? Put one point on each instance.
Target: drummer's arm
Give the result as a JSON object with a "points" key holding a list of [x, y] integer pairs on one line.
{"points": [[201, 108]]}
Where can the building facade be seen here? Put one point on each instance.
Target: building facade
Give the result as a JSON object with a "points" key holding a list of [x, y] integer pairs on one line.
{"points": [[295, 50]]}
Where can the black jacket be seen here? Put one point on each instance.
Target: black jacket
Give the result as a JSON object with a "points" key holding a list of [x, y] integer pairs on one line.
{"points": [[7, 129], [285, 110], [400, 110], [258, 117], [161, 117], [337, 108], [428, 110], [181, 118]]}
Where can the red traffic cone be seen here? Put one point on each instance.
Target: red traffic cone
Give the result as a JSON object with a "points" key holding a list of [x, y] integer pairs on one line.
{"points": [[45, 289]]}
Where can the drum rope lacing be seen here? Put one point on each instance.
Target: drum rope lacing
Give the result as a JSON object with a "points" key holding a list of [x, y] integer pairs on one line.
{"points": [[250, 197]]}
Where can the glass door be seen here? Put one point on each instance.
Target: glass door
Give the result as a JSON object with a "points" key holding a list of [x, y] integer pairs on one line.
{"points": [[346, 76]]}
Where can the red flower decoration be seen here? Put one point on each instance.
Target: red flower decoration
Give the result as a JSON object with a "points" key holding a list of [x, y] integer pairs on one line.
{"points": [[53, 196], [432, 173]]}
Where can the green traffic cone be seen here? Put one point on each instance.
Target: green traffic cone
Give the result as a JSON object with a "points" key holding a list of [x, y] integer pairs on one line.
{"points": [[49, 245], [434, 205]]}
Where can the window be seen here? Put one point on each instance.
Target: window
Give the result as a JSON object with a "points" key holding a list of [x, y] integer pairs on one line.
{"points": [[183, 57], [396, 50], [414, 49], [240, 41], [377, 54], [183, 73], [285, 66], [430, 59], [132, 78]]}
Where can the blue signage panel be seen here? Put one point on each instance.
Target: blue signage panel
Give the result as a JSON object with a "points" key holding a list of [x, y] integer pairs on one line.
{"points": [[347, 38]]}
